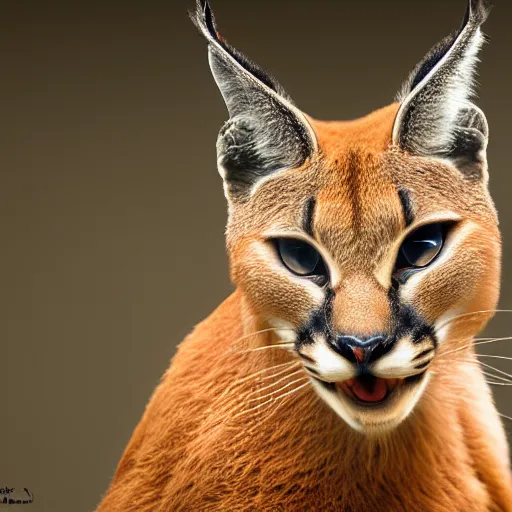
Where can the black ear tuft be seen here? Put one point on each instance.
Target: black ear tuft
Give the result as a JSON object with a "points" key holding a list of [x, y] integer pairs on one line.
{"points": [[476, 14], [208, 17], [266, 133], [478, 10], [436, 116], [204, 19], [429, 62]]}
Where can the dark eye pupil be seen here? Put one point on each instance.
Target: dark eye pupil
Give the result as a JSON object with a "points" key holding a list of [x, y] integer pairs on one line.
{"points": [[421, 247], [300, 257]]}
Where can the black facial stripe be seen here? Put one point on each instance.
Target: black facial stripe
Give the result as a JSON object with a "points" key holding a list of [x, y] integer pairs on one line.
{"points": [[404, 320], [405, 199], [394, 302], [408, 322], [422, 365], [423, 331], [312, 370], [411, 324], [306, 358], [424, 353], [319, 322], [309, 212]]}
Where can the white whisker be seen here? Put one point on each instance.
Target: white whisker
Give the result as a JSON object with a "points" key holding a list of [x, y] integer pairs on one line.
{"points": [[505, 416], [489, 374], [493, 383], [273, 376], [262, 331], [277, 381], [495, 369], [481, 341], [495, 357], [492, 340], [271, 399], [444, 354], [472, 313], [277, 390], [289, 365], [285, 346], [291, 392]]}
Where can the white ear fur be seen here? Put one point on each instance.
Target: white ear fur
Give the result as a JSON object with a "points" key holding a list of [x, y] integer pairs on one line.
{"points": [[266, 133], [436, 115]]}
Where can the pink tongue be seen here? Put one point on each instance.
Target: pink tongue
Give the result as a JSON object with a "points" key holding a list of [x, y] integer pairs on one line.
{"points": [[370, 393]]}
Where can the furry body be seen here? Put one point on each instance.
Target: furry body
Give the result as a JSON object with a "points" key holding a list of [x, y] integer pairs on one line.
{"points": [[197, 447], [237, 422], [190, 452]]}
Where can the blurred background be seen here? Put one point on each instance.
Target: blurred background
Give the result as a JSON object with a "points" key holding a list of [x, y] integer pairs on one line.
{"points": [[112, 211]]}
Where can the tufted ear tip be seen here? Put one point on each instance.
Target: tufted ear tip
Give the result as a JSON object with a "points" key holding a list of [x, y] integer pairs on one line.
{"points": [[266, 133], [478, 11], [204, 19], [437, 116]]}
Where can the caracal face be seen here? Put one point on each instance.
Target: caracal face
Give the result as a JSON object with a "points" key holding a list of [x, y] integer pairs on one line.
{"points": [[362, 243]]}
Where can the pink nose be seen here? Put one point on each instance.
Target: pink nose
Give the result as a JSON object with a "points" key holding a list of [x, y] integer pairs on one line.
{"points": [[359, 353]]}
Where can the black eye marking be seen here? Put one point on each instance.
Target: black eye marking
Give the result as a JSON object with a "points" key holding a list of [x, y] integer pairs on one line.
{"points": [[405, 199], [420, 249], [309, 212], [302, 259]]}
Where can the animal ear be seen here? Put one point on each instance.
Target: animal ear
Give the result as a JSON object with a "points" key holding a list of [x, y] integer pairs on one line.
{"points": [[266, 133], [437, 116]]}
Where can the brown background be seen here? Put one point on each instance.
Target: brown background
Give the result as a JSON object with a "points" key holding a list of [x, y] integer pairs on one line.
{"points": [[112, 210]]}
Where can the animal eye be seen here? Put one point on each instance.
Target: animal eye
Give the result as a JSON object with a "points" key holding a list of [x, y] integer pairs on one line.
{"points": [[421, 247], [300, 257]]}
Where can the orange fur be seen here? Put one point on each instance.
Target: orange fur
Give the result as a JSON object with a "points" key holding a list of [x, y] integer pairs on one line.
{"points": [[219, 433]]}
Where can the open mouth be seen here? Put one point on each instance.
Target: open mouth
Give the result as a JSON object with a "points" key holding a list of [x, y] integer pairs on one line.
{"points": [[372, 404], [369, 391]]}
